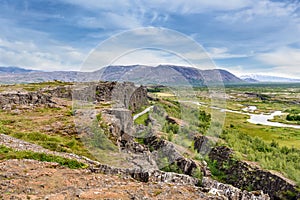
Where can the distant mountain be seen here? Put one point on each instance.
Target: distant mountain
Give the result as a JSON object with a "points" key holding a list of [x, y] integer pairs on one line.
{"points": [[266, 78], [167, 75], [250, 80], [140, 74], [13, 69]]}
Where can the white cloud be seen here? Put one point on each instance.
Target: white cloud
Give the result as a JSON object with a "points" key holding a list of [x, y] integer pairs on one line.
{"points": [[223, 53], [149, 57], [284, 60], [107, 5], [50, 57], [178, 6], [148, 46], [109, 20], [190, 6], [262, 8], [236, 70]]}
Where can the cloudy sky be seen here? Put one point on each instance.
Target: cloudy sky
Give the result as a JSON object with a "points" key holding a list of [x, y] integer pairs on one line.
{"points": [[242, 36]]}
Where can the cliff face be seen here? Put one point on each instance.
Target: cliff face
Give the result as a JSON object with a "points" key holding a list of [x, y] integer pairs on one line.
{"points": [[245, 175], [8, 99], [123, 95]]}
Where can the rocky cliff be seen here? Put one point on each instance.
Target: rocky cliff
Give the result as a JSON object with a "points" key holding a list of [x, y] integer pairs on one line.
{"points": [[123, 95], [247, 175], [10, 99], [120, 125]]}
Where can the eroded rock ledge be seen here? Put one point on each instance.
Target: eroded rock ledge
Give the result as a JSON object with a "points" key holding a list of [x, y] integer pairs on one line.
{"points": [[244, 174], [125, 95], [120, 125]]}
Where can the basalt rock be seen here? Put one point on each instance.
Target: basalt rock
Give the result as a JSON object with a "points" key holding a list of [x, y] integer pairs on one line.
{"points": [[163, 148], [211, 186], [231, 192], [123, 95], [59, 91], [126, 95], [204, 144], [242, 174], [10, 99]]}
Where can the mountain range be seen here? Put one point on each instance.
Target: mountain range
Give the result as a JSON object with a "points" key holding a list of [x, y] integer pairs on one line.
{"points": [[266, 78], [139, 74], [14, 70]]}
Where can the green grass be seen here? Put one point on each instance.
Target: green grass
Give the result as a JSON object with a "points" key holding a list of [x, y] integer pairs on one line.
{"points": [[58, 143], [216, 173], [34, 86], [283, 119], [8, 153], [270, 156], [30, 126], [289, 137], [142, 119], [139, 110]]}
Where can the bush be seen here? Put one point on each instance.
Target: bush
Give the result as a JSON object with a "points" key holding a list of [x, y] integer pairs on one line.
{"points": [[293, 117], [269, 156], [215, 171]]}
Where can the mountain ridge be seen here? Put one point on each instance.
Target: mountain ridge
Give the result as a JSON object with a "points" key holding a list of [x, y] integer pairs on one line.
{"points": [[14, 69], [140, 74], [268, 78]]}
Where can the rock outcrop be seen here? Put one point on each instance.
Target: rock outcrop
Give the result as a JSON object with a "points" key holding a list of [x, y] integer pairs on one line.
{"points": [[163, 148], [203, 144], [9, 99], [122, 95], [246, 175], [127, 95], [231, 192]]}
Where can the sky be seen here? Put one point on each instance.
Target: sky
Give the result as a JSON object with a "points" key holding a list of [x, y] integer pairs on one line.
{"points": [[241, 36]]}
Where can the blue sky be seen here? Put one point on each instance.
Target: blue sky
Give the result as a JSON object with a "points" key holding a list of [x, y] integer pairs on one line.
{"points": [[242, 36]]}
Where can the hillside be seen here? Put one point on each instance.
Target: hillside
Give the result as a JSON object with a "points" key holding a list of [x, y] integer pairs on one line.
{"points": [[162, 74]]}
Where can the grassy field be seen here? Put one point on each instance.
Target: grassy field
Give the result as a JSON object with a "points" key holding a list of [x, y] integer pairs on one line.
{"points": [[32, 86], [289, 137]]}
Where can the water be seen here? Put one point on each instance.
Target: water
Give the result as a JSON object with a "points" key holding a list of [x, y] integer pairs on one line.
{"points": [[262, 119]]}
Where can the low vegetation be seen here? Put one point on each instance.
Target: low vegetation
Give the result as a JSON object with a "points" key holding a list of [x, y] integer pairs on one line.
{"points": [[142, 119], [8, 153], [51, 128], [268, 155], [273, 148]]}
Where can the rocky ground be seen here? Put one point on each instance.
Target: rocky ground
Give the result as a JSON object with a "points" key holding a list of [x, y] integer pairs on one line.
{"points": [[29, 179]]}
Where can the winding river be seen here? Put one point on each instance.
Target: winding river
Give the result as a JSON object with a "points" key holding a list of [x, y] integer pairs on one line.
{"points": [[262, 119]]}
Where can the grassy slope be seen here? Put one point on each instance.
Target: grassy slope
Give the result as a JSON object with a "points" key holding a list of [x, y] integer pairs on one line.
{"points": [[273, 148], [8, 153]]}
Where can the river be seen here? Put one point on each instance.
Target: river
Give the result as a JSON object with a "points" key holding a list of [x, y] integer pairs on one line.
{"points": [[262, 119]]}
